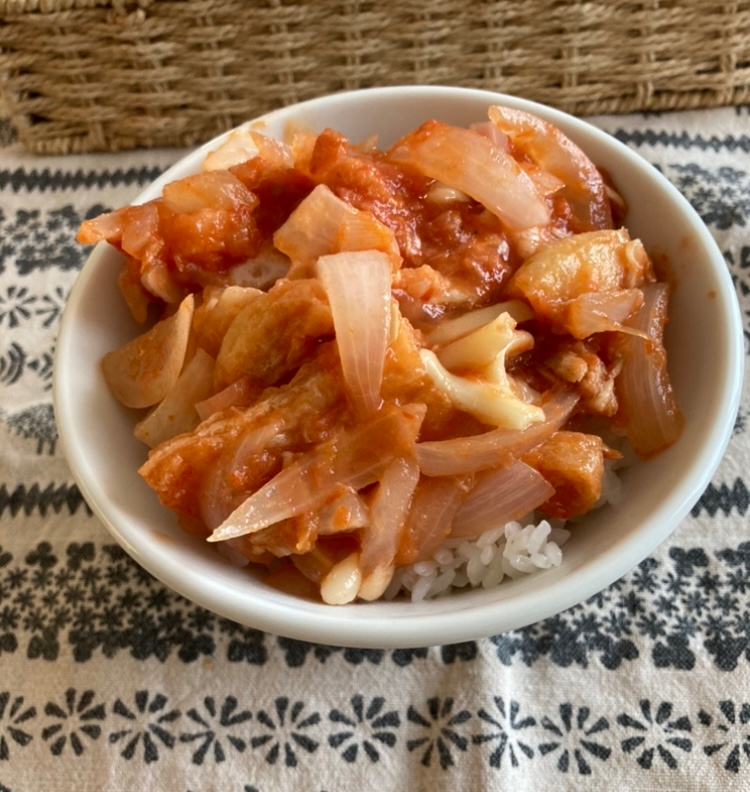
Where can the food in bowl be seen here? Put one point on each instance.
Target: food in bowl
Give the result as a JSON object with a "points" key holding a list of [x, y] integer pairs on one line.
{"points": [[368, 364]]}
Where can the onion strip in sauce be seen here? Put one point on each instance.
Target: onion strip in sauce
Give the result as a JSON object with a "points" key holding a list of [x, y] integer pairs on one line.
{"points": [[495, 448], [467, 161], [358, 287], [653, 420], [499, 497]]}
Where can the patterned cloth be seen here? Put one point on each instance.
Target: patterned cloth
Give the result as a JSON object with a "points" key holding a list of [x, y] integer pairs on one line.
{"points": [[110, 681]]}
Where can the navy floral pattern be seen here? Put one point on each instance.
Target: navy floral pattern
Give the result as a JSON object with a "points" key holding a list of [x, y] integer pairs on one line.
{"points": [[568, 738], [94, 601]]}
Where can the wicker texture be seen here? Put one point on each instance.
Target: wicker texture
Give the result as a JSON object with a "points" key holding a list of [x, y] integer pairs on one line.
{"points": [[81, 75]]}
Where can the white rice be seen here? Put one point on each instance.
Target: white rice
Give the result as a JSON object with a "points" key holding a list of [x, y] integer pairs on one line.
{"points": [[507, 552], [502, 553]]}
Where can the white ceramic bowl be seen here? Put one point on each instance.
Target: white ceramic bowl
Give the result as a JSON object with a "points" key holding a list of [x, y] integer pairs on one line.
{"points": [[706, 355]]}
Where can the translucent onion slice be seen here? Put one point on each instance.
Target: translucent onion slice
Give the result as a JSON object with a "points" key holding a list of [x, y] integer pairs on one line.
{"points": [[143, 371], [240, 392], [433, 507], [555, 153], [107, 226], [648, 406], [494, 448], [499, 497], [546, 183], [346, 512], [468, 161], [244, 144], [323, 224], [177, 412], [352, 458], [387, 517], [599, 312], [358, 287]]}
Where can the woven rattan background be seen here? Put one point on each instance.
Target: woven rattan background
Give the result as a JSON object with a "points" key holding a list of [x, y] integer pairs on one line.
{"points": [[83, 75]]}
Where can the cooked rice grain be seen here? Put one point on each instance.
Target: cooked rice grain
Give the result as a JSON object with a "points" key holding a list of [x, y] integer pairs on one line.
{"points": [[506, 552]]}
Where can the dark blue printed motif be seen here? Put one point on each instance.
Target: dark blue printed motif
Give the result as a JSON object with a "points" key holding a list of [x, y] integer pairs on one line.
{"points": [[14, 715], [217, 727], [144, 725], [438, 733], [35, 240], [364, 727], [441, 731], [683, 140], [73, 722], [721, 197], [575, 739], [91, 601], [37, 424], [288, 732], [739, 268], [728, 732], [55, 181], [656, 735], [19, 305], [505, 731]]}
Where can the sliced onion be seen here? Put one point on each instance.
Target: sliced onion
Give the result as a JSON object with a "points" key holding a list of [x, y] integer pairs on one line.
{"points": [[494, 448], [358, 286], [177, 412], [433, 507], [143, 371], [468, 161], [140, 231], [244, 144], [107, 226], [493, 134], [218, 495], [599, 312], [323, 224], [388, 514], [556, 153], [648, 406], [353, 457], [346, 512], [238, 393], [499, 497]]}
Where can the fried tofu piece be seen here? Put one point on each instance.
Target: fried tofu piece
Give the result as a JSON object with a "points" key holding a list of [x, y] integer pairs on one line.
{"points": [[272, 336], [573, 463]]}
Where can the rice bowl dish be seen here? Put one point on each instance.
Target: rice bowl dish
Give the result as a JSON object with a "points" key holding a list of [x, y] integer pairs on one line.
{"points": [[518, 547]]}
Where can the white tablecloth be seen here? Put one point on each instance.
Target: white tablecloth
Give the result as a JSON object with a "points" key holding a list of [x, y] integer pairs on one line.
{"points": [[110, 681]]}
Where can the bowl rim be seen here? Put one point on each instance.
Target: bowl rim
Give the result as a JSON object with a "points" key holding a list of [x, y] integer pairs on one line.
{"points": [[394, 625]]}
